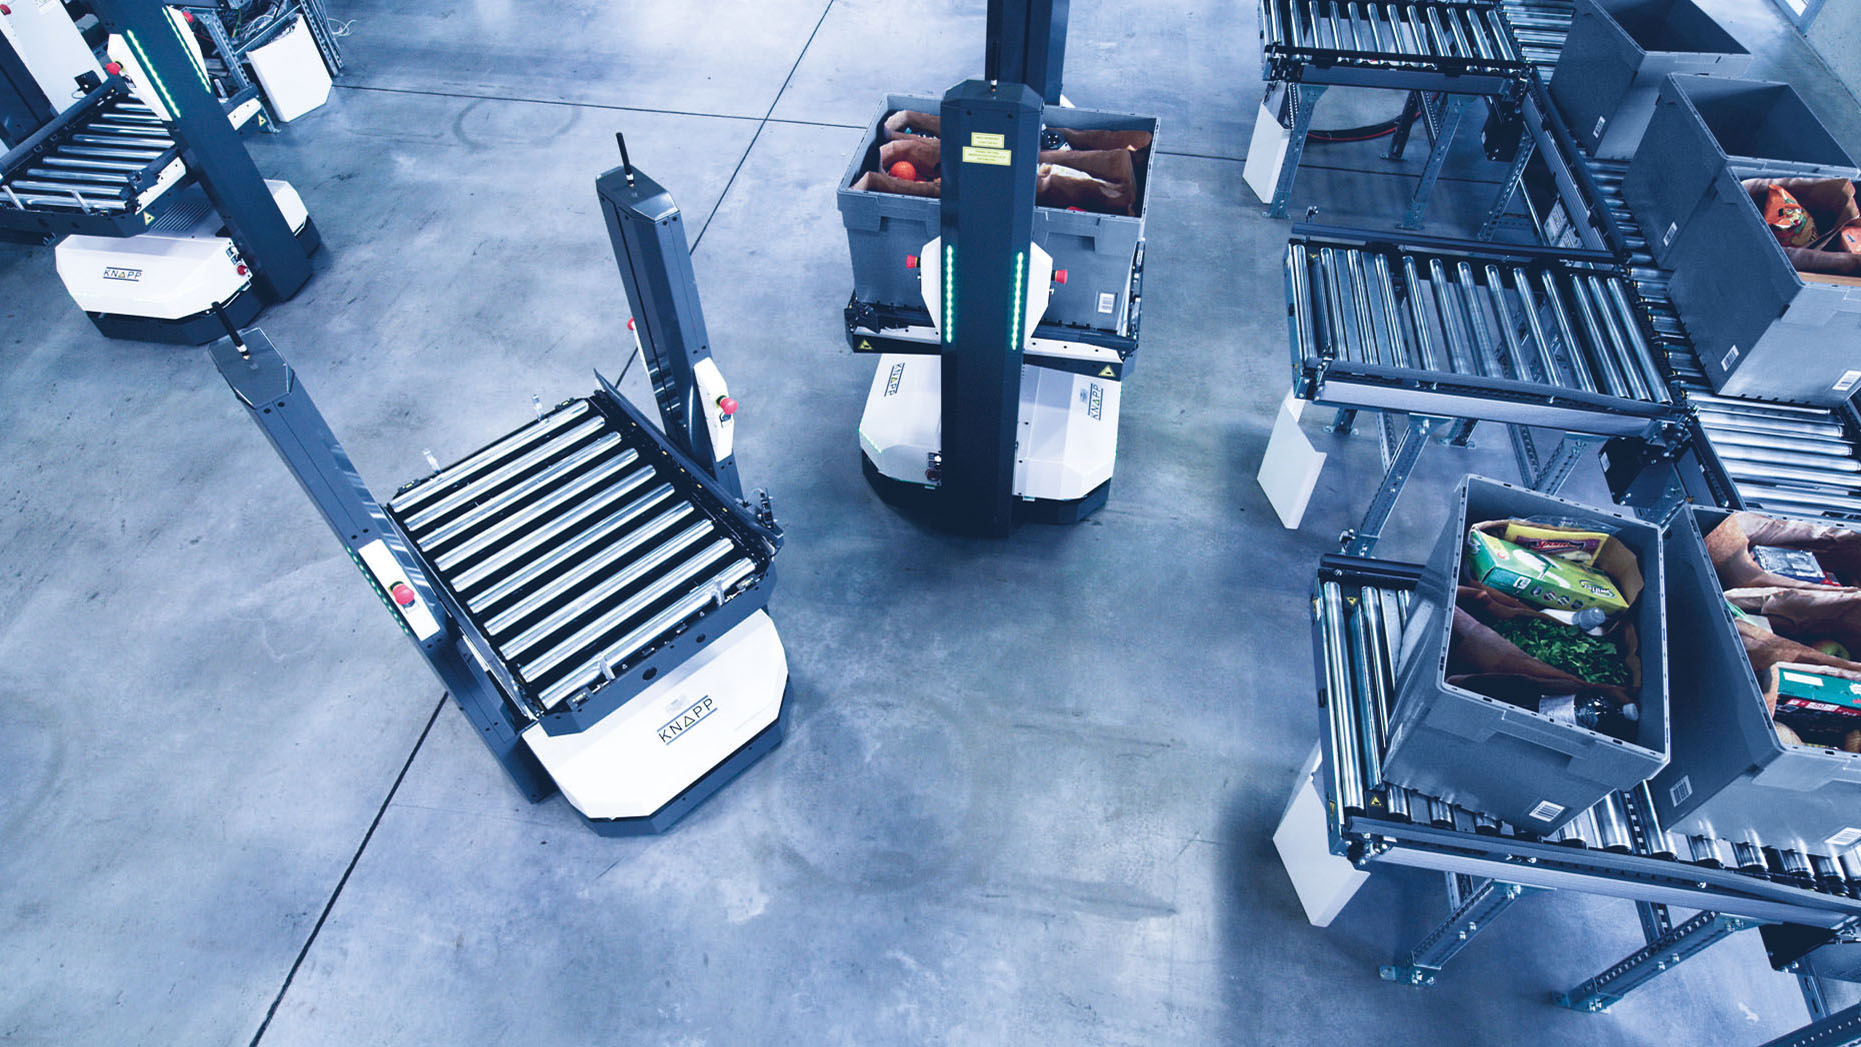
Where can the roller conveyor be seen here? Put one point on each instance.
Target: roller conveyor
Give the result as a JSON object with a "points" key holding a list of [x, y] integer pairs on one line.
{"points": [[1616, 848], [1522, 338], [1404, 45], [104, 168], [1540, 27], [574, 549]]}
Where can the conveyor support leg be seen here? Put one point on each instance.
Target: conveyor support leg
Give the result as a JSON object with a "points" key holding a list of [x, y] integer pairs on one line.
{"points": [[1301, 99], [1842, 1029], [1345, 421], [1510, 187], [1411, 107], [1452, 110], [1399, 458], [1658, 956], [1477, 909]]}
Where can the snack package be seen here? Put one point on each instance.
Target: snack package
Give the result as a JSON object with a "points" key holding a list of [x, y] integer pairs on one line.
{"points": [[1798, 564], [1809, 699], [1789, 221], [1562, 542], [1539, 579]]}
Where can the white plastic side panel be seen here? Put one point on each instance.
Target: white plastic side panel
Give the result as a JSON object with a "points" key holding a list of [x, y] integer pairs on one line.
{"points": [[1068, 434], [54, 51], [291, 72], [649, 750], [711, 390], [156, 276], [388, 573], [903, 422]]}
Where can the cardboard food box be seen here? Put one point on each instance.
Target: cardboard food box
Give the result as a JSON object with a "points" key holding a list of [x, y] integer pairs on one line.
{"points": [[1548, 581]]}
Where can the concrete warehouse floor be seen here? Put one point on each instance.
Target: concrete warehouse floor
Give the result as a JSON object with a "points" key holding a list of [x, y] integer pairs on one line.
{"points": [[1029, 784]]}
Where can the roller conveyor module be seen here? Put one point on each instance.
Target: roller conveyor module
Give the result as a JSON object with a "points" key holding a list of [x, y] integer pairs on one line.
{"points": [[575, 551], [1523, 338], [98, 169], [1431, 37], [1539, 26], [1616, 848]]}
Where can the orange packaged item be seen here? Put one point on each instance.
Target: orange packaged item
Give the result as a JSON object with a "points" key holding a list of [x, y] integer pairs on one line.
{"points": [[1849, 239], [1790, 223]]}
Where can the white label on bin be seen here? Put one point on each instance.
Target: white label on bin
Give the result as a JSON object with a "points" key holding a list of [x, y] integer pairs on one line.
{"points": [[1847, 381], [1845, 839], [1600, 121], [1725, 362], [1677, 793], [1668, 236], [1109, 301], [1547, 811]]}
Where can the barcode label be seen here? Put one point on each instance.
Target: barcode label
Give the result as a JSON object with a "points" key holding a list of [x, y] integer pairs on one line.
{"points": [[1847, 381], [1107, 302], [1546, 810], [1600, 121], [1845, 839], [1726, 363], [1680, 790], [1668, 236]]}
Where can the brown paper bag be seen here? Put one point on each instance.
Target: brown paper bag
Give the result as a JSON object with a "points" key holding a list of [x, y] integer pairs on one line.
{"points": [[1481, 660], [905, 123], [1831, 204], [1729, 546]]}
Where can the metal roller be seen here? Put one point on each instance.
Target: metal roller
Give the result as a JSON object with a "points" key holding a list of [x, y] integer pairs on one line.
{"points": [[1603, 363], [1440, 813], [1612, 825], [1475, 317], [1334, 304], [1616, 343], [1573, 352], [563, 529], [464, 494], [1508, 330], [1392, 319], [478, 463], [561, 585], [461, 526], [1360, 299], [623, 649], [1418, 308], [1637, 344], [1528, 304], [1346, 775], [661, 555], [1365, 681], [1297, 287], [597, 479], [1464, 359]]}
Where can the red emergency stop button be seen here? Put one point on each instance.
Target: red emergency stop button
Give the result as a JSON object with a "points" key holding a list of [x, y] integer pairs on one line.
{"points": [[403, 594], [1059, 276], [911, 261], [727, 406], [113, 68], [5, 10], [629, 323]]}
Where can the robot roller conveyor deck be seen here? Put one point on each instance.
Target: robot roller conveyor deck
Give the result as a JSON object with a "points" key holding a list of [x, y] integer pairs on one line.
{"points": [[102, 168], [589, 588]]}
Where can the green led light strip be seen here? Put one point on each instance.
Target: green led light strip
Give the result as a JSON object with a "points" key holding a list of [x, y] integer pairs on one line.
{"points": [[148, 70], [199, 70], [949, 293], [1016, 308]]}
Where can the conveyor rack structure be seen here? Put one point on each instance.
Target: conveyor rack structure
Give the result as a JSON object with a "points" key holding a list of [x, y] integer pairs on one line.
{"points": [[1333, 41], [575, 549], [1540, 27], [1616, 849], [102, 168], [1442, 328], [253, 25]]}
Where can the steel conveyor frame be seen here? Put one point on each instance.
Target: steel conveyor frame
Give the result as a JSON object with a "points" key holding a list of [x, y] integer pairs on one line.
{"points": [[1617, 849], [1455, 49]]}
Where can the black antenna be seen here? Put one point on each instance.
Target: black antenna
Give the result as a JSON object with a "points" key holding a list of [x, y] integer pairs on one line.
{"points": [[626, 164], [232, 330]]}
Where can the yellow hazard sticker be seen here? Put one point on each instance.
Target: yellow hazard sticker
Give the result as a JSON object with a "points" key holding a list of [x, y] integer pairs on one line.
{"points": [[1108, 372], [865, 346], [983, 140], [977, 155]]}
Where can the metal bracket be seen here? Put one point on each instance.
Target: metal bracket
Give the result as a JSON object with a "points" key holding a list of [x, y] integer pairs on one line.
{"points": [[1528, 147], [1479, 907], [1443, 139], [1301, 99], [1842, 1029], [1399, 458], [1658, 956]]}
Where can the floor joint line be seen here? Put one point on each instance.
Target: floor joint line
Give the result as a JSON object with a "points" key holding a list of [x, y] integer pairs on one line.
{"points": [[272, 1011]]}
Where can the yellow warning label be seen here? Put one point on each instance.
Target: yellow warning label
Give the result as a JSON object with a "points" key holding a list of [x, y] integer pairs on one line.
{"points": [[1108, 372], [976, 155], [987, 141], [865, 346]]}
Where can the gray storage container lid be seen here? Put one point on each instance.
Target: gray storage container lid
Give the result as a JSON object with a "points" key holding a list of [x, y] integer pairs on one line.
{"points": [[1759, 120]]}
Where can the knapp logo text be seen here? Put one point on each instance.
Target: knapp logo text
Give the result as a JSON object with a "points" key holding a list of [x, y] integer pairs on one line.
{"points": [[685, 721], [113, 273]]}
